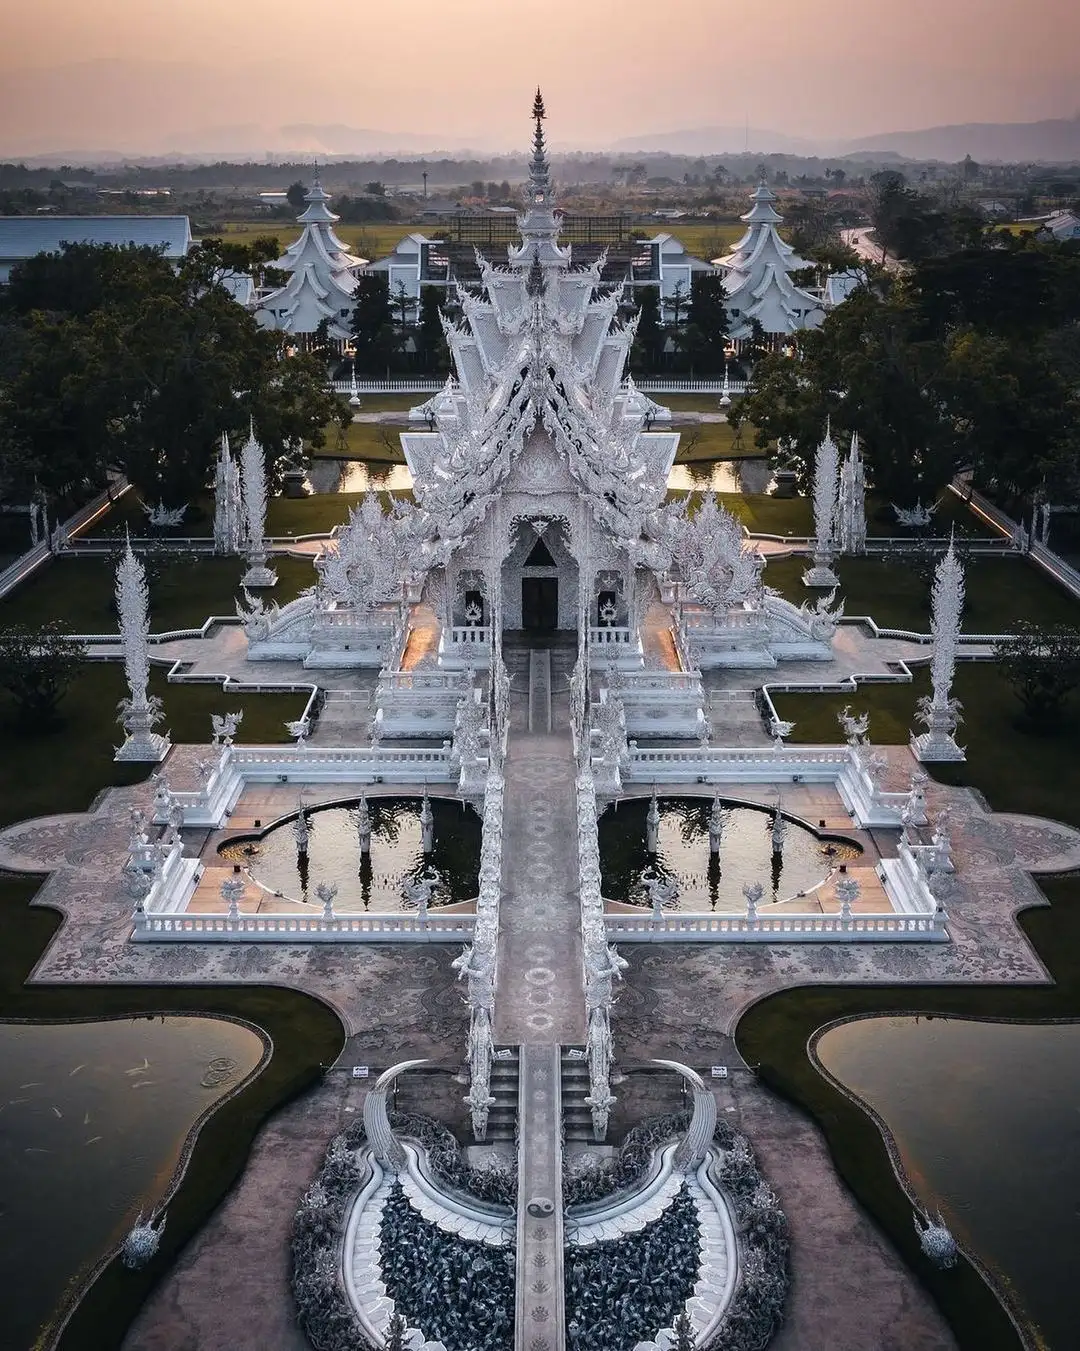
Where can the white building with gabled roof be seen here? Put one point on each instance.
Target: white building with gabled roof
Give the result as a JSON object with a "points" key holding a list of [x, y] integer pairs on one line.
{"points": [[23, 237], [322, 276], [416, 261], [757, 277]]}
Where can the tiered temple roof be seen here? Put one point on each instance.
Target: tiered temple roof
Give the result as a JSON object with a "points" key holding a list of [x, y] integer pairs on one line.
{"points": [[322, 276], [757, 276], [540, 357]]}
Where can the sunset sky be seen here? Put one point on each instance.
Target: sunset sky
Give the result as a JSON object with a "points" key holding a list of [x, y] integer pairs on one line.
{"points": [[147, 74]]}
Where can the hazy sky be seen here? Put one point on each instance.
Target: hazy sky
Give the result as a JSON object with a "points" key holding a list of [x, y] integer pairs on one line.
{"points": [[138, 73]]}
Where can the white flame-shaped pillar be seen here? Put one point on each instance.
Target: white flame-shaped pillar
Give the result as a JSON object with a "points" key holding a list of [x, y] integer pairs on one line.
{"points": [[940, 713], [140, 712]]}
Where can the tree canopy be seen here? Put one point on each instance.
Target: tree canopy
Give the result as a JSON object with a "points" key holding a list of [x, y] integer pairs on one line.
{"points": [[959, 363], [116, 360]]}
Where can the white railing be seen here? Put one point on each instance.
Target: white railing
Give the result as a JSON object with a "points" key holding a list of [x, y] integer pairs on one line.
{"points": [[33, 558], [642, 683], [603, 636], [462, 635], [367, 928], [789, 928], [674, 386], [306, 764], [408, 681], [420, 385]]}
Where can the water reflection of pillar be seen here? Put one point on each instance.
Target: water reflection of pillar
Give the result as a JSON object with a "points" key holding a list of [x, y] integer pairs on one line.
{"points": [[365, 879], [715, 874], [777, 869], [302, 869]]}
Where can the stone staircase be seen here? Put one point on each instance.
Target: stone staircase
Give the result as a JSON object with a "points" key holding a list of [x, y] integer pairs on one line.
{"points": [[540, 690], [345, 719], [503, 1113], [734, 718], [577, 1118]]}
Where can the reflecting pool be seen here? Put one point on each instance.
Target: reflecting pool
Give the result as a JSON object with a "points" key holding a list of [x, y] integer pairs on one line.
{"points": [[93, 1120], [374, 881], [706, 882], [986, 1119], [328, 474]]}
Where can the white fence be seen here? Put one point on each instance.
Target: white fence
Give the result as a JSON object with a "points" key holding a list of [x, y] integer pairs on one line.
{"points": [[33, 558], [368, 928], [675, 386], [428, 385], [790, 928]]}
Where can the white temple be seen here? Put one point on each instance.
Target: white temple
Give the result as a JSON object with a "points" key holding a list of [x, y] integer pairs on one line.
{"points": [[757, 277], [322, 276], [540, 506]]}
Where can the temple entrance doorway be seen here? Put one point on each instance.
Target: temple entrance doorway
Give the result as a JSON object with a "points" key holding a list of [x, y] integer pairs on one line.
{"points": [[540, 604]]}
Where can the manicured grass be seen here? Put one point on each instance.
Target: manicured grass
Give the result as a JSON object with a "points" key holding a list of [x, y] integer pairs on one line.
{"points": [[999, 592], [688, 403], [371, 241], [704, 441], [763, 514], [61, 768], [184, 591], [391, 403], [705, 239], [1015, 769], [364, 441]]}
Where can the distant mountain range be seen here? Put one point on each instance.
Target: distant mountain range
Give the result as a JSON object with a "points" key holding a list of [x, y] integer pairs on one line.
{"points": [[1054, 141], [144, 110]]}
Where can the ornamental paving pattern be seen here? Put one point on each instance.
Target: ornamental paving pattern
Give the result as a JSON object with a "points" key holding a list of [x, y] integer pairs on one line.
{"points": [[402, 1001]]}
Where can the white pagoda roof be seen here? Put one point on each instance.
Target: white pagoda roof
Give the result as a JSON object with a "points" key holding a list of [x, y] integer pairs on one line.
{"points": [[757, 276], [323, 275]]}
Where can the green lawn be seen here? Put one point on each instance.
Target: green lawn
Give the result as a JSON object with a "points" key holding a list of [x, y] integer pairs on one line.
{"points": [[184, 591], [688, 403], [315, 515], [391, 403], [704, 441], [371, 241], [762, 514], [999, 592], [1016, 770], [62, 768], [705, 239], [379, 441]]}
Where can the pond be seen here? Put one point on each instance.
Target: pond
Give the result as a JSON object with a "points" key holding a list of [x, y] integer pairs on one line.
{"points": [[93, 1120], [327, 475], [371, 882], [707, 882], [330, 475], [986, 1119], [722, 476]]}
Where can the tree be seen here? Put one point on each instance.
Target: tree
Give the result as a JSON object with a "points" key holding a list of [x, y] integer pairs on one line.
{"points": [[1042, 665], [646, 355], [372, 324], [706, 334], [295, 194], [146, 373], [684, 1333], [36, 667], [375, 188], [431, 350]]}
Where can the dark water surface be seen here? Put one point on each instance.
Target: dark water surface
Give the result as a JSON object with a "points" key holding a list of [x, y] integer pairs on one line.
{"points": [[374, 883], [746, 855], [986, 1119], [93, 1118]]}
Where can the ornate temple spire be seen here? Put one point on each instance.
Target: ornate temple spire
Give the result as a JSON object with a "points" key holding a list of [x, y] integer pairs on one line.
{"points": [[539, 169], [539, 226]]}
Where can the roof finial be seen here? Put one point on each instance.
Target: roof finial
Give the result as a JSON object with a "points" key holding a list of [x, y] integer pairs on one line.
{"points": [[539, 182]]}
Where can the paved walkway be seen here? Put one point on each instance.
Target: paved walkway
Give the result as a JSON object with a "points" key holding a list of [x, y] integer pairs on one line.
{"points": [[539, 997]]}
